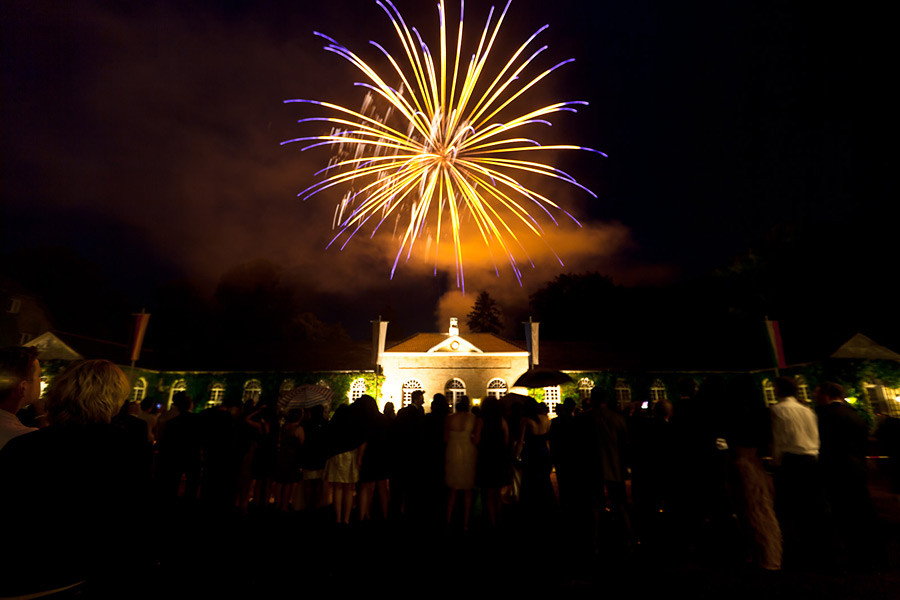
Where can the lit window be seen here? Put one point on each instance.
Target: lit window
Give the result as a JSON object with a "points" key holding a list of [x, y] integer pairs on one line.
{"points": [[252, 391], [884, 400], [623, 394], [357, 389], [551, 398], [891, 401], [455, 390], [657, 391], [408, 388], [216, 394], [802, 389], [769, 392], [496, 388], [585, 385], [178, 386], [139, 391]]}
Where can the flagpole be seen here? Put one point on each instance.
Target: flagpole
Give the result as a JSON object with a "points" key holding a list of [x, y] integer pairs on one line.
{"points": [[140, 327]]}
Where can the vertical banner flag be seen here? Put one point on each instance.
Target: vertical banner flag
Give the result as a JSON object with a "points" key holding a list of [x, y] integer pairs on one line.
{"points": [[531, 339], [140, 328], [775, 340], [379, 333]]}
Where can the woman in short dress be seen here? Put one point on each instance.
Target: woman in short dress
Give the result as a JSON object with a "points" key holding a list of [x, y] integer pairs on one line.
{"points": [[494, 459], [461, 434], [342, 469]]}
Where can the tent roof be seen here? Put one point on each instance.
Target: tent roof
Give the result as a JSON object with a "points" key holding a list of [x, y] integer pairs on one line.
{"points": [[860, 346], [50, 347]]}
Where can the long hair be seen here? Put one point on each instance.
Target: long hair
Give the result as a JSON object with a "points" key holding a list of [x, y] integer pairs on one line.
{"points": [[89, 391]]}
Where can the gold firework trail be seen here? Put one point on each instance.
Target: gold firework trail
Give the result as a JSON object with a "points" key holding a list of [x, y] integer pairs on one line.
{"points": [[457, 152]]}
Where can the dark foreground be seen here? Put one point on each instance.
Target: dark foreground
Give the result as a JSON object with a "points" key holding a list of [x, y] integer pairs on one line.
{"points": [[267, 554], [270, 554]]}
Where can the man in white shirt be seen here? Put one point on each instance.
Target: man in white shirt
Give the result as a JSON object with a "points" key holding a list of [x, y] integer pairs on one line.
{"points": [[795, 429], [799, 502], [20, 385]]}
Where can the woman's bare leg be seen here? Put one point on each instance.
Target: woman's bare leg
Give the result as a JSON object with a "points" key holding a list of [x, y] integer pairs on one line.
{"points": [[348, 501], [337, 495], [384, 494], [451, 500], [287, 495], [366, 493]]}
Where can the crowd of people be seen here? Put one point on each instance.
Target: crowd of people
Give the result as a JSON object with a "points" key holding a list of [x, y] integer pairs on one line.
{"points": [[80, 462]]}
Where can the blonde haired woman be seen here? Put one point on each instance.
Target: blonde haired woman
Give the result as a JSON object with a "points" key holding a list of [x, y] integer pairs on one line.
{"points": [[73, 486], [89, 391]]}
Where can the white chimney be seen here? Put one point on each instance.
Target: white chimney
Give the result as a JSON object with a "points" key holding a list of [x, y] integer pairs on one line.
{"points": [[454, 326]]}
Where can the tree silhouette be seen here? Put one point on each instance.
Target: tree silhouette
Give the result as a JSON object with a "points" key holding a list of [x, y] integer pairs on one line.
{"points": [[485, 315]]}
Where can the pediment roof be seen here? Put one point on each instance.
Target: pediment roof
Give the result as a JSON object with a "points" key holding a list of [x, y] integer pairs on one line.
{"points": [[468, 343]]}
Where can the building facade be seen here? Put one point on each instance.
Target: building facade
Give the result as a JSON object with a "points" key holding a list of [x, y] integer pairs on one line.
{"points": [[475, 365]]}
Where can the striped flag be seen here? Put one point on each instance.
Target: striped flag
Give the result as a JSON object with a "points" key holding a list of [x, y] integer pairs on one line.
{"points": [[775, 341], [140, 328]]}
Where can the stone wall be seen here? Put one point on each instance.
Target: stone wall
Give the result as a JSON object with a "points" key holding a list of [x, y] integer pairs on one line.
{"points": [[434, 370]]}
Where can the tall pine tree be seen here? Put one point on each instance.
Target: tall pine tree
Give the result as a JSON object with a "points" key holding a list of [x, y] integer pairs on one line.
{"points": [[485, 315]]}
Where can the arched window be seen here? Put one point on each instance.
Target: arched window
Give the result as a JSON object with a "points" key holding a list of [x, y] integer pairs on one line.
{"points": [[657, 391], [139, 391], [454, 390], [883, 399], [357, 389], [496, 388], [623, 393], [408, 388], [216, 394], [891, 400], [178, 386], [769, 392], [585, 385], [252, 391], [802, 389], [551, 398]]}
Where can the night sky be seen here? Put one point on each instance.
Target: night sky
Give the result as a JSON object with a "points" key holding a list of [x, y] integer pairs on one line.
{"points": [[145, 138]]}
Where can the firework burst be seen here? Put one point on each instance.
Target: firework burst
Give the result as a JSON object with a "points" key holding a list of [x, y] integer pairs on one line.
{"points": [[448, 152]]}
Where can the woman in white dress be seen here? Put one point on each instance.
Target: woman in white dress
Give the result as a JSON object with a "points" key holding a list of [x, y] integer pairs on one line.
{"points": [[461, 434]]}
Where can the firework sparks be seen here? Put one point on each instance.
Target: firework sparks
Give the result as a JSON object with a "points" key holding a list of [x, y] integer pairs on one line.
{"points": [[447, 152]]}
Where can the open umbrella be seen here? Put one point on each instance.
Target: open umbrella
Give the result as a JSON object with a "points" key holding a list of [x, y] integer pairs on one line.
{"points": [[305, 396], [541, 378], [507, 400]]}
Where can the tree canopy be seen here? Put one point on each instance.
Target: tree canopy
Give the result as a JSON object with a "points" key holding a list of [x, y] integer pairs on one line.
{"points": [[485, 315]]}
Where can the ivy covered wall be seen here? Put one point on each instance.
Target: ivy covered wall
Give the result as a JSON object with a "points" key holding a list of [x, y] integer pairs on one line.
{"points": [[200, 383], [853, 375]]}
